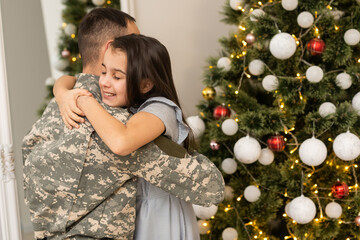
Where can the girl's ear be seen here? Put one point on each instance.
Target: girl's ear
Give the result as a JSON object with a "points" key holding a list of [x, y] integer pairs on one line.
{"points": [[146, 86]]}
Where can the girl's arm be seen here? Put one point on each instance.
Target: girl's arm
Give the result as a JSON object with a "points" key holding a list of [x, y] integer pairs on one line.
{"points": [[122, 139], [66, 97]]}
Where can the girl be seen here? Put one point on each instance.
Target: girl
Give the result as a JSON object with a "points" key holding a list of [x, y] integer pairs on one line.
{"points": [[137, 74]]}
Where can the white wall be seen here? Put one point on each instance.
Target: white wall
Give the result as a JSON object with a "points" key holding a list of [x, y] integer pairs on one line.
{"points": [[190, 29], [27, 68]]}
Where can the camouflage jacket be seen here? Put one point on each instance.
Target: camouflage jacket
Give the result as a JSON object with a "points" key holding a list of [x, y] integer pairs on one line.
{"points": [[76, 188]]}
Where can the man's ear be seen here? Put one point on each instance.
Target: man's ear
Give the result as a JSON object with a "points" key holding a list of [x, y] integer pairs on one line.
{"points": [[108, 44], [146, 86]]}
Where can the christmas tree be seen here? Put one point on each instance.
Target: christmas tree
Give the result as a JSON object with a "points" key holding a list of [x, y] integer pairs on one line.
{"points": [[69, 59], [281, 114]]}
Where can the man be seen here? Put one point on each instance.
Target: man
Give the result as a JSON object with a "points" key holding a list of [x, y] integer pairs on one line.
{"points": [[75, 187]]}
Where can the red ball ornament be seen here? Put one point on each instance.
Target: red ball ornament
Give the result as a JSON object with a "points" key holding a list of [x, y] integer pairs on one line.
{"points": [[276, 143], [340, 190], [316, 46], [357, 220], [214, 145], [221, 112]]}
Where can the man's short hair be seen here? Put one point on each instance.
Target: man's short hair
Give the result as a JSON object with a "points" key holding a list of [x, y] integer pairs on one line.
{"points": [[96, 28]]}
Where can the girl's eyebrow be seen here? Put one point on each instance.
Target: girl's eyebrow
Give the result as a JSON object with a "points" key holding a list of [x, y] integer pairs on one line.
{"points": [[115, 69], [119, 70]]}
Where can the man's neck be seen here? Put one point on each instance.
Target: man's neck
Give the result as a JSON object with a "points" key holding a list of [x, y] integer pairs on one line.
{"points": [[94, 69]]}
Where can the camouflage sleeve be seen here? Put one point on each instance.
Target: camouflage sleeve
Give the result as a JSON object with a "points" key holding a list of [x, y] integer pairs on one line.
{"points": [[193, 178]]}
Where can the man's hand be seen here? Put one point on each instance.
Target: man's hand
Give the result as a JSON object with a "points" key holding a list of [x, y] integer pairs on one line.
{"points": [[69, 110]]}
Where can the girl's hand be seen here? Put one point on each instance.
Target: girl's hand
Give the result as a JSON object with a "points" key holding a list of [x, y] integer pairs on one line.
{"points": [[69, 110]]}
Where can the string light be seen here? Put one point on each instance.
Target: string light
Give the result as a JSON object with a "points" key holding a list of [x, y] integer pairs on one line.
{"points": [[230, 86], [72, 36], [260, 3], [300, 96], [336, 28], [108, 2], [242, 28], [211, 67], [244, 43], [316, 31], [330, 140], [236, 92], [64, 25], [329, 7], [73, 59]]}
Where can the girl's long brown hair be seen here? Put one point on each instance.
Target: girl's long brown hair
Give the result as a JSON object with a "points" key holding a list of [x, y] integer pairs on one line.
{"points": [[148, 59]]}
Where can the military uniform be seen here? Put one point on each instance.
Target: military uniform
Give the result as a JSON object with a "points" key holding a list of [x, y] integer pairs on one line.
{"points": [[76, 188]]}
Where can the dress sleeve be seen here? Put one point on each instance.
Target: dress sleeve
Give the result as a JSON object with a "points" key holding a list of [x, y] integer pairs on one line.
{"points": [[170, 114]]}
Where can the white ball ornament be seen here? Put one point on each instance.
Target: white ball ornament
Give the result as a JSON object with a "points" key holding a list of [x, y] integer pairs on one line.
{"points": [[305, 19], [205, 212], [229, 233], [70, 29], [326, 109], [224, 63], [236, 4], [257, 13], [343, 80], [60, 64], [302, 210], [314, 74], [282, 46], [347, 146], [256, 67], [98, 2], [203, 226], [356, 103], [352, 37], [266, 156], [337, 14], [247, 150], [197, 126], [229, 165], [252, 193], [229, 127], [313, 152], [289, 5], [50, 81], [287, 208], [333, 210], [229, 193], [270, 83]]}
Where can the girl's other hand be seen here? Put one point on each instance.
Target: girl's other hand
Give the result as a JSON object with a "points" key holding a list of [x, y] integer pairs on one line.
{"points": [[69, 110]]}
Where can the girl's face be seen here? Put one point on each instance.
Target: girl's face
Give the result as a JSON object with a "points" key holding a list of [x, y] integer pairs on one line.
{"points": [[113, 78]]}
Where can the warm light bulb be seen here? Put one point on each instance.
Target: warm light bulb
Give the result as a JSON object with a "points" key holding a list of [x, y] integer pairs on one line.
{"points": [[236, 92], [108, 2], [73, 36], [336, 28], [329, 7], [73, 59], [230, 86]]}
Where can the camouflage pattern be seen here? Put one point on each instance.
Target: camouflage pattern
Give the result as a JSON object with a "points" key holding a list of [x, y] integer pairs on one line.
{"points": [[76, 188]]}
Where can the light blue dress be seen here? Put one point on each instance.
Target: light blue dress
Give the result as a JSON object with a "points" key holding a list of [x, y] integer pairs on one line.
{"points": [[159, 214]]}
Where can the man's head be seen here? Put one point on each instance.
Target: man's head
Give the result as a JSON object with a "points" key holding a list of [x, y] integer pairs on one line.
{"points": [[97, 28]]}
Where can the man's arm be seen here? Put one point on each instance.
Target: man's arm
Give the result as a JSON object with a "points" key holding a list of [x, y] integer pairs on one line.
{"points": [[193, 178]]}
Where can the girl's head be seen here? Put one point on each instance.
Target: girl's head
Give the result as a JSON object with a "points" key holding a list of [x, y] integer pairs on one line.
{"points": [[135, 68]]}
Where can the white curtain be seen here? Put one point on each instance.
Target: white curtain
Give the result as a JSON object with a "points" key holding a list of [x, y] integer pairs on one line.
{"points": [[9, 208]]}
